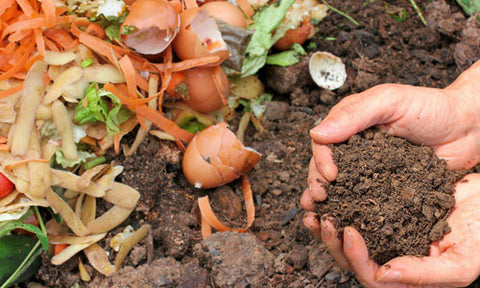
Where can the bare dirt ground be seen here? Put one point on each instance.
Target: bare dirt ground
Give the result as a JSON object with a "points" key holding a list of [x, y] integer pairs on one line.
{"points": [[278, 251]]}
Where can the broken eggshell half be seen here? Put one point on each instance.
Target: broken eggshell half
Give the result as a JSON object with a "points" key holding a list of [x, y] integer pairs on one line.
{"points": [[154, 24], [216, 157], [327, 70], [199, 36]]}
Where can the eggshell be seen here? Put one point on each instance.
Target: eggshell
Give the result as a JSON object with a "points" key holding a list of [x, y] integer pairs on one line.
{"points": [[189, 45], [198, 171], [157, 22], [227, 12], [203, 94], [327, 70], [216, 157], [298, 35]]}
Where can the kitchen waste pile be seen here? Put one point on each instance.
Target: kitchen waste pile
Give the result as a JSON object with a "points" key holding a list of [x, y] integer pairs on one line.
{"points": [[78, 75]]}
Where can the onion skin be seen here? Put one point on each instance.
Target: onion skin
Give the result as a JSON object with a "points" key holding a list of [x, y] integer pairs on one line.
{"points": [[298, 35], [203, 94], [216, 157]]}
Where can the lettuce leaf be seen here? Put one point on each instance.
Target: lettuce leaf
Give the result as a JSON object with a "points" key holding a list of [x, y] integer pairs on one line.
{"points": [[83, 156], [94, 107], [265, 22], [470, 6], [287, 58]]}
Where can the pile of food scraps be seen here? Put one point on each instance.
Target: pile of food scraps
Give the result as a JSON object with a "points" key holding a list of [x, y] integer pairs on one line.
{"points": [[78, 75]]}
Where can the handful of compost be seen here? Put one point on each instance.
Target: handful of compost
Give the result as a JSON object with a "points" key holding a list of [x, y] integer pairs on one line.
{"points": [[396, 194]]}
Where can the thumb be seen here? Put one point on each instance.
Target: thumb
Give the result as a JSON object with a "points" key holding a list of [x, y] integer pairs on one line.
{"points": [[357, 112], [433, 270]]}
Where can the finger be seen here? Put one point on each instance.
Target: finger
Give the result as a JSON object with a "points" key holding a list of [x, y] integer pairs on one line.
{"points": [[307, 201], [312, 222], [316, 183], [445, 269], [357, 112], [457, 159], [323, 159], [357, 254], [333, 243]]}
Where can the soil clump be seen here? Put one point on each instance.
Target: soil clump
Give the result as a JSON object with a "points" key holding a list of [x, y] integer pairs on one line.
{"points": [[396, 194]]}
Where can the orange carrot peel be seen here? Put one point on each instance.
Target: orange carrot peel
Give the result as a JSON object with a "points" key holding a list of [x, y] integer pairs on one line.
{"points": [[209, 220]]}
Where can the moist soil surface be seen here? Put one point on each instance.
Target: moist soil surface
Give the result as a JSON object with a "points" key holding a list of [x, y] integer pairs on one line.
{"points": [[396, 194], [277, 251]]}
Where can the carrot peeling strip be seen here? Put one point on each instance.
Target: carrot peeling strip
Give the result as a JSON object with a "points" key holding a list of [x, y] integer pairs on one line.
{"points": [[100, 47], [11, 91], [3, 140], [27, 8], [17, 36], [5, 5], [154, 116], [209, 216], [189, 63], [40, 41], [246, 8], [116, 143], [4, 147], [129, 72], [50, 16], [51, 45], [20, 64], [217, 81]]}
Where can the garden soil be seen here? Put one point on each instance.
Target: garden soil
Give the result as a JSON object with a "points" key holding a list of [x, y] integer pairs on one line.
{"points": [[277, 251]]}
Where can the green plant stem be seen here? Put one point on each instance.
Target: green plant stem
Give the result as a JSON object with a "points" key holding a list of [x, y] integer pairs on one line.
{"points": [[415, 6], [340, 12], [34, 253], [40, 220]]}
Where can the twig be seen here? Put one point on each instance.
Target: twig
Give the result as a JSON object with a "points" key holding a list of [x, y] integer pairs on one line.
{"points": [[415, 6], [341, 13]]}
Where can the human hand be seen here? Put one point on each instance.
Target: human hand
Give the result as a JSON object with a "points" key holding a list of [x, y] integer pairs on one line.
{"points": [[445, 119], [454, 261]]}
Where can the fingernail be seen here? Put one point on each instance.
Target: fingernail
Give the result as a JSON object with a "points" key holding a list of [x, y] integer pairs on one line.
{"points": [[326, 173], [325, 129], [390, 276], [347, 238], [325, 230]]}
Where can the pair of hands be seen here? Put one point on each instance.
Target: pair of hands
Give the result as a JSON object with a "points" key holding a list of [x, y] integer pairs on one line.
{"points": [[448, 120]]}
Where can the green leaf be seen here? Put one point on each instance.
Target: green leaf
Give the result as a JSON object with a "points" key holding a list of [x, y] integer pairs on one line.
{"points": [[94, 107], [19, 258], [7, 227], [265, 22], [113, 32], [287, 58], [470, 6], [86, 62], [83, 157]]}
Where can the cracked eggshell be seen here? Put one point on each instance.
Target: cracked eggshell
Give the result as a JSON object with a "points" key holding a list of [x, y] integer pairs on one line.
{"points": [[199, 36], [227, 12], [216, 157], [203, 94], [156, 22], [327, 70]]}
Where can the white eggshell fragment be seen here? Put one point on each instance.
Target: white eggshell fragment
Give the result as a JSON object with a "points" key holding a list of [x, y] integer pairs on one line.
{"points": [[327, 70]]}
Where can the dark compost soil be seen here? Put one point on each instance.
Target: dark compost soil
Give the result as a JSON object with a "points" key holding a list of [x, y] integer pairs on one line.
{"points": [[395, 193], [278, 251]]}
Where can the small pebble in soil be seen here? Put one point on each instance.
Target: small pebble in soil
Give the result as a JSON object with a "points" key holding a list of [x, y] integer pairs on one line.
{"points": [[396, 194]]}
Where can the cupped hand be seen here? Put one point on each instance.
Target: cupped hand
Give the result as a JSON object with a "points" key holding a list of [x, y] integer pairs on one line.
{"points": [[448, 120], [454, 261]]}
